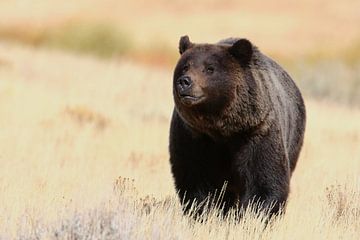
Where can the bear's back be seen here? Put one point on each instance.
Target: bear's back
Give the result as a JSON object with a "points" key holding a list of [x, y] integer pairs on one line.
{"points": [[286, 101]]}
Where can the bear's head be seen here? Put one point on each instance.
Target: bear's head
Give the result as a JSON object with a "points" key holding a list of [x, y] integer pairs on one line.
{"points": [[214, 88]]}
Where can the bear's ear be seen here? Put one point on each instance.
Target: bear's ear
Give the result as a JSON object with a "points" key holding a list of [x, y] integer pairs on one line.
{"points": [[242, 50], [184, 44]]}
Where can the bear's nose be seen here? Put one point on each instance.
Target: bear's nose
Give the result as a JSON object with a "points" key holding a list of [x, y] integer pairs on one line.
{"points": [[184, 83]]}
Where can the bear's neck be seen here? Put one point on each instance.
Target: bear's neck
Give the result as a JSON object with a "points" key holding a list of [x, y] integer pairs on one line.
{"points": [[224, 126]]}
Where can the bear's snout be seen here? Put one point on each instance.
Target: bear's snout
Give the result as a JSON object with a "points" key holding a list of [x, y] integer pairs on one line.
{"points": [[183, 85], [188, 91]]}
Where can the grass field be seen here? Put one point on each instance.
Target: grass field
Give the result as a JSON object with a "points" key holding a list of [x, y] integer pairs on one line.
{"points": [[71, 126], [84, 126]]}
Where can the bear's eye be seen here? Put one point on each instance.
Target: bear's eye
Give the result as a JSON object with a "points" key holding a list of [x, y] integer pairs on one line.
{"points": [[210, 69], [185, 68]]}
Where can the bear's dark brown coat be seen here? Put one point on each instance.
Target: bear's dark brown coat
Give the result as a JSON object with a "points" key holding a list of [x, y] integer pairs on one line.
{"points": [[238, 118]]}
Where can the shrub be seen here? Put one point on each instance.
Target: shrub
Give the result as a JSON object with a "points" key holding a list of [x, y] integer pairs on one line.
{"points": [[101, 39]]}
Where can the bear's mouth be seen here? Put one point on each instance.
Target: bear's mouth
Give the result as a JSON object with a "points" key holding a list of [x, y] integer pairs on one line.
{"points": [[191, 99]]}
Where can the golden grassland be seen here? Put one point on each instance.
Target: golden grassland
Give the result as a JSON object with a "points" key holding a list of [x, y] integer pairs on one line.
{"points": [[84, 140], [71, 126]]}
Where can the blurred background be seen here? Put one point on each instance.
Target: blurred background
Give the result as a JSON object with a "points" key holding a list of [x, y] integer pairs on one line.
{"points": [[86, 93], [318, 40]]}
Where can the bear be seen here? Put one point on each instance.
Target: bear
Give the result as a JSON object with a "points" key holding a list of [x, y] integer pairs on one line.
{"points": [[237, 127]]}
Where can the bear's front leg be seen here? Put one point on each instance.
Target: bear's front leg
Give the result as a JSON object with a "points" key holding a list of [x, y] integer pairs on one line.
{"points": [[267, 172], [194, 199]]}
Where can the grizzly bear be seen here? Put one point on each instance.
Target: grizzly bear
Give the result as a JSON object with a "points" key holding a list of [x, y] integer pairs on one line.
{"points": [[237, 126]]}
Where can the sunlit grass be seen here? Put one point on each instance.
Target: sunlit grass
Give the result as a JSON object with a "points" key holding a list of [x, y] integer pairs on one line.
{"points": [[70, 126]]}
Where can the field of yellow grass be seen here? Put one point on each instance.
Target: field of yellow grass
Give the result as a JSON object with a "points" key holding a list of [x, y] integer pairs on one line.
{"points": [[84, 140], [73, 129]]}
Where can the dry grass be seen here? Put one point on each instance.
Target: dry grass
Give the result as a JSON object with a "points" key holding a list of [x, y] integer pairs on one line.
{"points": [[70, 126], [75, 130]]}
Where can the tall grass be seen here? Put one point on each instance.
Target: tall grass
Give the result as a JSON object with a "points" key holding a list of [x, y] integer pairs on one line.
{"points": [[127, 216], [70, 126]]}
